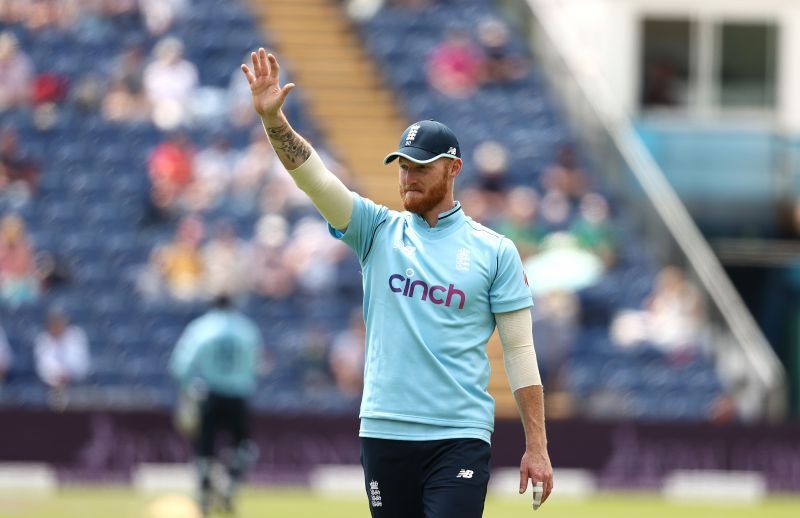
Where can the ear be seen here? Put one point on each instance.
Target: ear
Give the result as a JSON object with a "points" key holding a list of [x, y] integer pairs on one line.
{"points": [[455, 167]]}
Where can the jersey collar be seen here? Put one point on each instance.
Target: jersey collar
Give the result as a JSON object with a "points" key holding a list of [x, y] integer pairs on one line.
{"points": [[448, 219]]}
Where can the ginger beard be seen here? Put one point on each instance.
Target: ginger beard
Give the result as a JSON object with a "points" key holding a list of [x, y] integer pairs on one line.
{"points": [[422, 202]]}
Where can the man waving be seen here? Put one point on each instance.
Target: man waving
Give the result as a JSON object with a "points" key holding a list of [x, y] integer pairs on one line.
{"points": [[436, 283]]}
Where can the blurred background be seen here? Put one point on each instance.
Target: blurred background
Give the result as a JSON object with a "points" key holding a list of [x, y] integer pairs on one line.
{"points": [[644, 156]]}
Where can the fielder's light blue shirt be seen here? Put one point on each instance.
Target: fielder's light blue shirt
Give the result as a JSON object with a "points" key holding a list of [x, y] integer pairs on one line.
{"points": [[221, 348], [430, 295]]}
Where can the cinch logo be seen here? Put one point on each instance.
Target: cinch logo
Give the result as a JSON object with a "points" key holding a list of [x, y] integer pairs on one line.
{"points": [[404, 285]]}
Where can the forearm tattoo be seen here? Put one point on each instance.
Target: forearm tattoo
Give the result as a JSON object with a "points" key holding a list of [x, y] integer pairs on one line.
{"points": [[289, 144]]}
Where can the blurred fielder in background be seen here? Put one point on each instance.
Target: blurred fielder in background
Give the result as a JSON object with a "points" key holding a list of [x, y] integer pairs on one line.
{"points": [[216, 362], [435, 285]]}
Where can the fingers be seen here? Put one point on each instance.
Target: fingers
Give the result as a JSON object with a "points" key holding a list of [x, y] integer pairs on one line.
{"points": [[523, 479], [548, 488], [256, 64], [249, 75], [275, 68], [285, 91], [262, 58]]}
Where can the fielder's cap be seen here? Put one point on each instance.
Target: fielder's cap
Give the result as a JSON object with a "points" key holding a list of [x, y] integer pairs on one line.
{"points": [[425, 141]]}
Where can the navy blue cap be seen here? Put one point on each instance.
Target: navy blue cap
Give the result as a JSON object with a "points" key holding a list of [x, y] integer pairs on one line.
{"points": [[425, 141]]}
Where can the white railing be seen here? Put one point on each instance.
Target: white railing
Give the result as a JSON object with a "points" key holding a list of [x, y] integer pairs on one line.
{"points": [[589, 102]]}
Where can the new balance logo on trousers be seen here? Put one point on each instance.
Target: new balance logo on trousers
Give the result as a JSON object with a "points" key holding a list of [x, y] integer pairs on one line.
{"points": [[465, 473]]}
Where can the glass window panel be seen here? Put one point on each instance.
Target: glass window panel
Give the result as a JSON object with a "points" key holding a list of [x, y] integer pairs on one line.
{"points": [[747, 64], [666, 62]]}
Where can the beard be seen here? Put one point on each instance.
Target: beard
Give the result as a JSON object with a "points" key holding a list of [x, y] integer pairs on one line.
{"points": [[422, 204]]}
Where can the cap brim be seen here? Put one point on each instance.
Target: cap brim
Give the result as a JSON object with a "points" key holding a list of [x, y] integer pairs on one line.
{"points": [[414, 154]]}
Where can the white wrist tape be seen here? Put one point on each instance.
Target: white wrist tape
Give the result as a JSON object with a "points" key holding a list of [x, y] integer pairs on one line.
{"points": [[331, 197], [519, 356]]}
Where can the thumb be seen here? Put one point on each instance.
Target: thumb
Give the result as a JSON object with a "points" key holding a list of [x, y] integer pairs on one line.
{"points": [[288, 87], [523, 481]]}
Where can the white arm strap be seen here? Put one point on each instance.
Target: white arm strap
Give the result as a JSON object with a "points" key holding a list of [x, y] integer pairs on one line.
{"points": [[519, 356], [331, 197]]}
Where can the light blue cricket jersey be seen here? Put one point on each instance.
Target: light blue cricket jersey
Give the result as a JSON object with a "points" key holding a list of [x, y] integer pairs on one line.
{"points": [[430, 295], [222, 348]]}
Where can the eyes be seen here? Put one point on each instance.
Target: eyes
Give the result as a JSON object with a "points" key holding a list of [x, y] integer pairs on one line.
{"points": [[421, 168]]}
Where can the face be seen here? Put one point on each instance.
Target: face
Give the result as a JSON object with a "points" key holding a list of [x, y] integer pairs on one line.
{"points": [[56, 325], [424, 186]]}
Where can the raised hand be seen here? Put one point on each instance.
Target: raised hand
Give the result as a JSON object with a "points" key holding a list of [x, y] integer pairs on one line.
{"points": [[268, 95]]}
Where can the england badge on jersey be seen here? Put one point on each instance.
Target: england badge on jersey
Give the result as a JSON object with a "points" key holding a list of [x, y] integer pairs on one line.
{"points": [[463, 259]]}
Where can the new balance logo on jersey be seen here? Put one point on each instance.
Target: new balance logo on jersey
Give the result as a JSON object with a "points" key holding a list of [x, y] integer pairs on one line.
{"points": [[404, 285], [465, 473]]}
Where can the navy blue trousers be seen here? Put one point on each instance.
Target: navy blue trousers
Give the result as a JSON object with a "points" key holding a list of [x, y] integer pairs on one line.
{"points": [[426, 479]]}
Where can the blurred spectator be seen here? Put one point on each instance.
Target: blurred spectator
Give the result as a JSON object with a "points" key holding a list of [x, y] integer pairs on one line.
{"points": [[661, 85], [491, 163], [562, 265], [475, 203], [270, 273], [313, 356], [171, 170], [556, 211], [313, 258], [53, 270], [225, 260], [214, 169], [19, 175], [593, 230], [6, 356], [239, 102], [50, 88], [124, 103], [556, 325], [566, 175], [16, 73], [18, 281], [255, 165], [129, 67], [42, 15], [347, 356], [61, 351], [412, 4], [455, 66], [87, 96], [500, 65], [124, 14], [170, 81], [160, 15], [519, 222], [362, 10], [180, 262], [673, 318], [281, 196], [92, 25]]}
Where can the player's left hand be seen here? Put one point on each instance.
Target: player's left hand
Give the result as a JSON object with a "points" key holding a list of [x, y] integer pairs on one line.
{"points": [[535, 466]]}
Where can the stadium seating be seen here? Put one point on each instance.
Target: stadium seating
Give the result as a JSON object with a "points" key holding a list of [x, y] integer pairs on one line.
{"points": [[524, 117], [92, 204]]}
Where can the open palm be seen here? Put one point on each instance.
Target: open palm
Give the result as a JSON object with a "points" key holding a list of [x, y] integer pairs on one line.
{"points": [[268, 96]]}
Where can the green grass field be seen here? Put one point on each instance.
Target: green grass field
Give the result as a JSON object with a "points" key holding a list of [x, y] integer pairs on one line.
{"points": [[123, 503]]}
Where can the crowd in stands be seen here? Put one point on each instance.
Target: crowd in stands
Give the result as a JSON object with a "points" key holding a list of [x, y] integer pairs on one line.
{"points": [[19, 277], [219, 214], [458, 66]]}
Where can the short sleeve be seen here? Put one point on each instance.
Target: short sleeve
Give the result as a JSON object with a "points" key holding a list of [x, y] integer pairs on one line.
{"points": [[367, 217], [509, 290], [184, 353]]}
